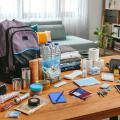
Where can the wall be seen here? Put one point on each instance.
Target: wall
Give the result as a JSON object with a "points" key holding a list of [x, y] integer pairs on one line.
{"points": [[95, 13]]}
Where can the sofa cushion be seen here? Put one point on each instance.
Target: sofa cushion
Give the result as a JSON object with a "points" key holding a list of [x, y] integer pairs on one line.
{"points": [[57, 31], [82, 45]]}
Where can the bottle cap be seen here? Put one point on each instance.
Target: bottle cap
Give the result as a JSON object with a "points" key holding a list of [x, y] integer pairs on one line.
{"points": [[56, 43], [49, 42], [46, 44], [36, 87]]}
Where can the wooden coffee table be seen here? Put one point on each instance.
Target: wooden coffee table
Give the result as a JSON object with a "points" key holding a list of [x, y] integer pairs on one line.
{"points": [[94, 108]]}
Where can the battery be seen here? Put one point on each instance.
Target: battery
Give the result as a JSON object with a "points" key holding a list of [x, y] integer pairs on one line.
{"points": [[26, 75]]}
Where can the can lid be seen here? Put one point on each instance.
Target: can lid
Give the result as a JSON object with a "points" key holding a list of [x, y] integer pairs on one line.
{"points": [[36, 87]]}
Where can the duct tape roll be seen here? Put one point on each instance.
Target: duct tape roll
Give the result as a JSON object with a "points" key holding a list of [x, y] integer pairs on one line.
{"points": [[93, 54], [99, 63], [33, 102], [87, 63]]}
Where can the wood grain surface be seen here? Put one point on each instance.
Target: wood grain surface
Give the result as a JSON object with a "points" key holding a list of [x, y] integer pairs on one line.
{"points": [[94, 108]]}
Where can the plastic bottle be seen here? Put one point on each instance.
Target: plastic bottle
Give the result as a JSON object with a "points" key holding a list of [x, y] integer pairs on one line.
{"points": [[116, 73], [52, 47], [47, 56], [57, 54], [57, 58]]}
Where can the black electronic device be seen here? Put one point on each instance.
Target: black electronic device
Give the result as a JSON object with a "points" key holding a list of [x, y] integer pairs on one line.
{"points": [[3, 89], [114, 62], [117, 87]]}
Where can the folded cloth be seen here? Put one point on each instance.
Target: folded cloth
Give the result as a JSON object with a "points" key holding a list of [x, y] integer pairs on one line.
{"points": [[69, 64], [69, 55], [70, 60], [76, 67], [65, 49]]}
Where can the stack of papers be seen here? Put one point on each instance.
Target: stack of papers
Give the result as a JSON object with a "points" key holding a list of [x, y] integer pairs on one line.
{"points": [[87, 81]]}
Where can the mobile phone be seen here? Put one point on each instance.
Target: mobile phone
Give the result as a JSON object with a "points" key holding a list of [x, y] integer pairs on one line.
{"points": [[117, 87]]}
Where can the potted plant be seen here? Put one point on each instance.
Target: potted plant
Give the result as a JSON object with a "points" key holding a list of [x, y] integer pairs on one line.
{"points": [[105, 38]]}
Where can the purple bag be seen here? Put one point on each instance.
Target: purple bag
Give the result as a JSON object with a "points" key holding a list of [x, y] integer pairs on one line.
{"points": [[18, 45]]}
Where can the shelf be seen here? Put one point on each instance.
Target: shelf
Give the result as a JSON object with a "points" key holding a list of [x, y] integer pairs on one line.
{"points": [[116, 37], [112, 9]]}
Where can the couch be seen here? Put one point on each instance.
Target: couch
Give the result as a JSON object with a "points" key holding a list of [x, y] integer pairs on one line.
{"points": [[58, 34]]}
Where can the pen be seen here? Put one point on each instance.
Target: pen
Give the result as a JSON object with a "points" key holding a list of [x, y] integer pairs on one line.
{"points": [[59, 96]]}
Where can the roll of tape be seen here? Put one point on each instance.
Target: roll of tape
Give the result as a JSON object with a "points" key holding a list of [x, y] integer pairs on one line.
{"points": [[87, 63], [33, 101], [99, 63], [93, 54]]}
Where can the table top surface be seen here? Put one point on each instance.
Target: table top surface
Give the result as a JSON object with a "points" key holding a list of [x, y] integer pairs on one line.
{"points": [[94, 108]]}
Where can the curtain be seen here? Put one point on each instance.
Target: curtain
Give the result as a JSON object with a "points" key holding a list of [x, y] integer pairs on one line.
{"points": [[73, 13]]}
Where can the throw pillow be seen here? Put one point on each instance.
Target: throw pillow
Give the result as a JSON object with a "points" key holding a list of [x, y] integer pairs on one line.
{"points": [[57, 31]]}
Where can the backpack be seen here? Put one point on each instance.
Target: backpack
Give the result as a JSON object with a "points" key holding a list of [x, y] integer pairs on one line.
{"points": [[18, 45]]}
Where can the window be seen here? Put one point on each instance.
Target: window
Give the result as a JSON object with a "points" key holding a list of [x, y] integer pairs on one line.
{"points": [[8, 9], [73, 13]]}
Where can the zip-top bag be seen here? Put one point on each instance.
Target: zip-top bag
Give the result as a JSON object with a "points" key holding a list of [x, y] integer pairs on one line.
{"points": [[18, 45]]}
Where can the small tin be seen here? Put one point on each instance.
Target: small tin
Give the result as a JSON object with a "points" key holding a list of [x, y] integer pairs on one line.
{"points": [[17, 84], [26, 75], [36, 89]]}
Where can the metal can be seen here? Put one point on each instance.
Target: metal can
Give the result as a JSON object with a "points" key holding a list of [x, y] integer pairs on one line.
{"points": [[17, 84], [26, 75]]}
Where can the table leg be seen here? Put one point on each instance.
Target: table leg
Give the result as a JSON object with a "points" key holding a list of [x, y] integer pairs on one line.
{"points": [[114, 118]]}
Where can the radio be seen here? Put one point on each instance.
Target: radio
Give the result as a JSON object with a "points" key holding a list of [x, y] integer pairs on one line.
{"points": [[114, 62], [3, 89]]}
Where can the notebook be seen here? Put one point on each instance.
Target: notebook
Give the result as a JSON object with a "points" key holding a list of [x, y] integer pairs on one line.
{"points": [[87, 81], [57, 97]]}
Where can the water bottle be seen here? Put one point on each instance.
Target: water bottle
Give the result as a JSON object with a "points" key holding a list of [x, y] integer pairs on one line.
{"points": [[51, 62], [46, 56], [56, 60], [57, 54]]}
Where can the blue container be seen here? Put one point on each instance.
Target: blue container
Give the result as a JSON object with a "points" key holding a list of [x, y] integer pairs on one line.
{"points": [[36, 88]]}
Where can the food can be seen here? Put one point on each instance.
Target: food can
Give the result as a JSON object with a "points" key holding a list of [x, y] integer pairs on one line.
{"points": [[17, 84], [26, 75]]}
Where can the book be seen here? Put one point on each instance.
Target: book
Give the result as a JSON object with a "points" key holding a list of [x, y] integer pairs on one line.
{"points": [[57, 97], [80, 93], [86, 81]]}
